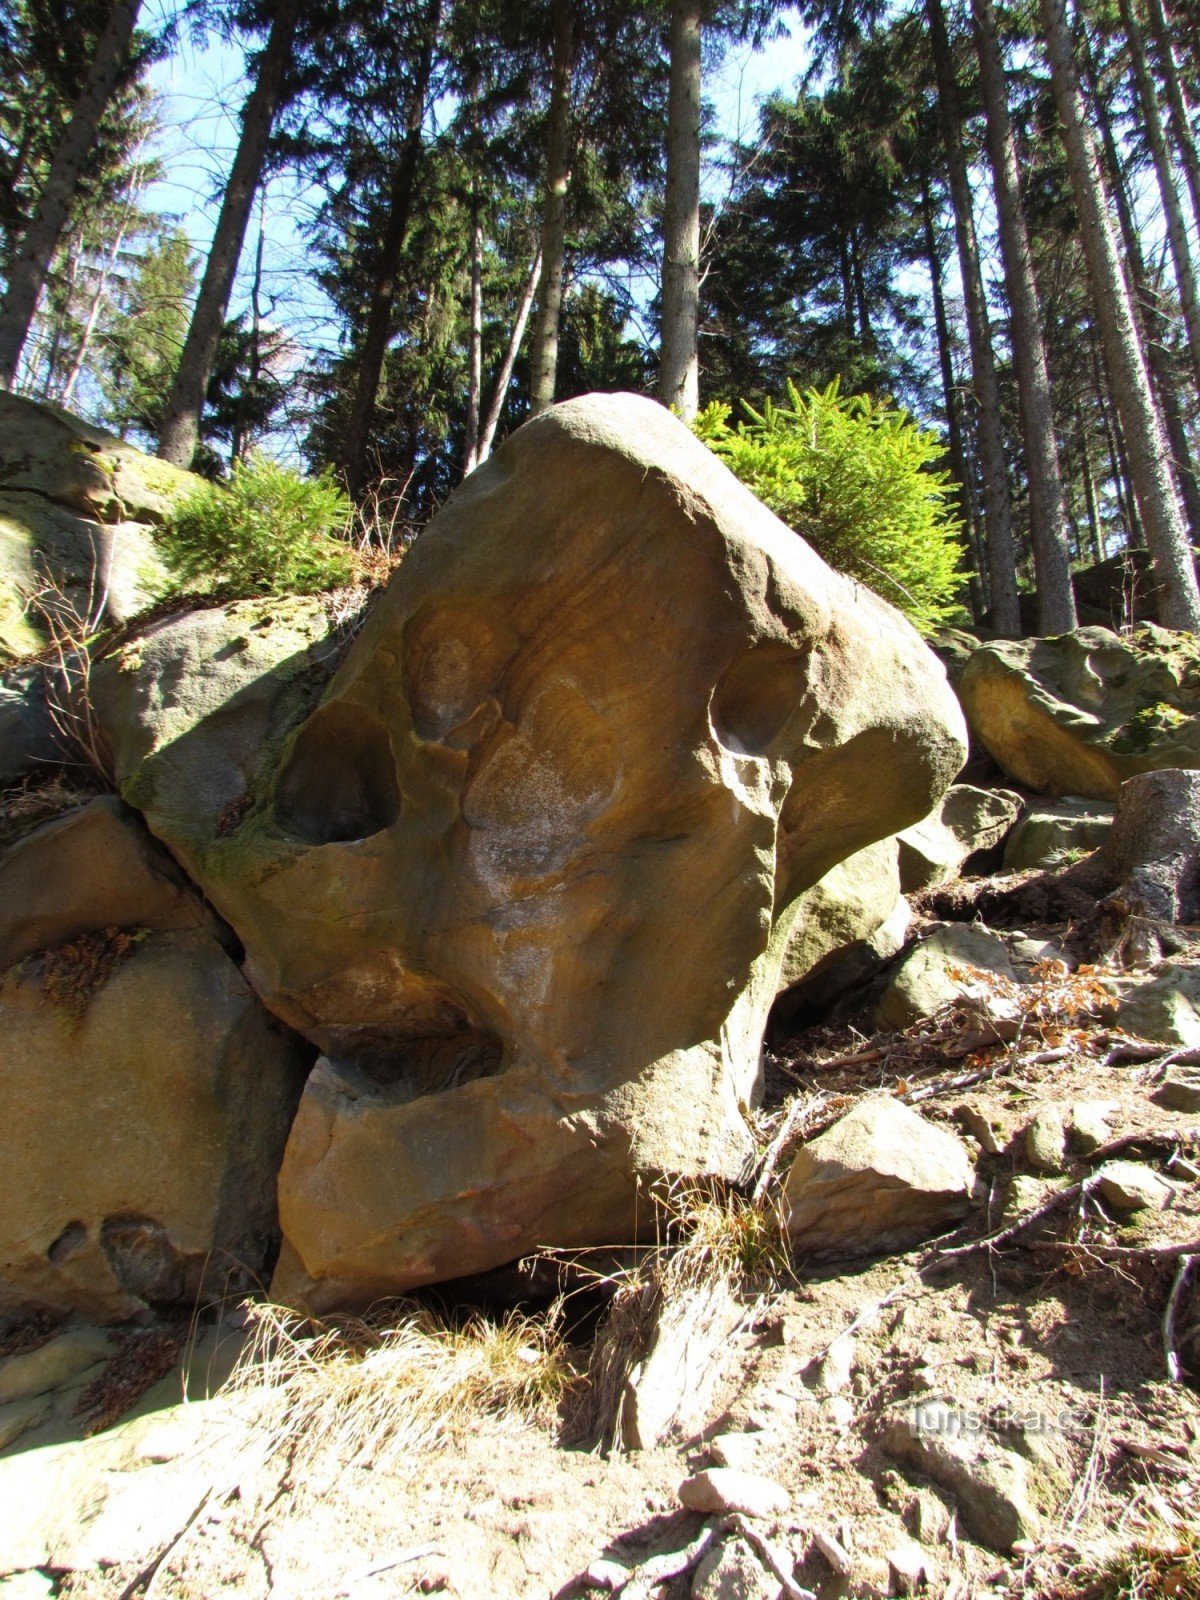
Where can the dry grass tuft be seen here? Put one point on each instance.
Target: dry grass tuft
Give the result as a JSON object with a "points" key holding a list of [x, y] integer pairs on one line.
{"points": [[378, 1390], [1147, 1566]]}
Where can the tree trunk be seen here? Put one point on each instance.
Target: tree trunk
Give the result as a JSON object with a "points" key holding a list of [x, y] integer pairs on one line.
{"points": [[544, 363], [1149, 461], [32, 260], [181, 417], [500, 389], [1089, 491], [1156, 138], [1181, 112], [1047, 511], [237, 443], [1156, 330], [997, 510], [954, 439], [679, 356], [474, 334]]}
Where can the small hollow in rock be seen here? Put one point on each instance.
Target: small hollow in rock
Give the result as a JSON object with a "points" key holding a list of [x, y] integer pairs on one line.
{"points": [[339, 781]]}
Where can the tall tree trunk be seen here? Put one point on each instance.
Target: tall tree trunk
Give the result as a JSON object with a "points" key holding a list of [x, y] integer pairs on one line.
{"points": [[31, 261], [679, 355], [1047, 509], [500, 389], [181, 416], [997, 509], [1145, 441], [1089, 490], [101, 289], [474, 333], [1155, 325], [544, 363], [378, 327], [1182, 125], [59, 333], [1118, 475], [237, 444], [954, 439]]}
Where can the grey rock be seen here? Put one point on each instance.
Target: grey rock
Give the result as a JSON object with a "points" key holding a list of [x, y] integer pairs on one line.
{"points": [[722, 1489], [940, 971], [1129, 1186], [967, 822], [1164, 1007], [880, 1178], [1046, 1141], [28, 736], [19, 1417], [1090, 1127], [1179, 1091], [1050, 831]]}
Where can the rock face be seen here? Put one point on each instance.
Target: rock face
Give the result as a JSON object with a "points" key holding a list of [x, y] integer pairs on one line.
{"points": [[145, 1093], [1081, 713], [76, 506], [880, 1178], [840, 915], [967, 822], [1051, 831], [528, 871], [1164, 1007]]}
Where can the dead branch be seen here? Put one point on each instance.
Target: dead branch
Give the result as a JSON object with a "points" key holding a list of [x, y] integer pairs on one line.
{"points": [[1174, 1366]]}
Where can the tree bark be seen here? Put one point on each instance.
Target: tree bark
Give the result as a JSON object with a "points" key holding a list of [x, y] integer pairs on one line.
{"points": [[544, 364], [181, 417], [1156, 138], [1181, 112], [1047, 509], [954, 439], [1145, 441], [500, 389], [1152, 318], [32, 261], [679, 355], [997, 509]]}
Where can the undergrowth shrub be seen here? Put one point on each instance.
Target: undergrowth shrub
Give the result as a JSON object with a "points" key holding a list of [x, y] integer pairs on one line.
{"points": [[856, 477], [266, 531]]}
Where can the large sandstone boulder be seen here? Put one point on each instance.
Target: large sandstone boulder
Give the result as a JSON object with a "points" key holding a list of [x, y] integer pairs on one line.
{"points": [[967, 822], [1080, 713], [841, 912], [77, 507], [1053, 832], [144, 1091], [528, 872]]}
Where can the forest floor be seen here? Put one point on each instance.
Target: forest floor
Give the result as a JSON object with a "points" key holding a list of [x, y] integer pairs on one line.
{"points": [[1053, 1339]]}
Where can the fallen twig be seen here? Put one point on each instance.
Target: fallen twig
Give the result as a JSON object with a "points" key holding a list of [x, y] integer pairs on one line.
{"points": [[1174, 1366], [991, 1240], [796, 1112]]}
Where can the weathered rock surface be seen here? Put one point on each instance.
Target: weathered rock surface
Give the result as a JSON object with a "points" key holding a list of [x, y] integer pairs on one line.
{"points": [[28, 736], [732, 1571], [997, 1491], [881, 1178], [76, 505], [1164, 1007], [953, 963], [967, 822], [721, 1489], [607, 725], [1078, 714], [838, 920], [142, 1137], [1050, 831], [1130, 1186]]}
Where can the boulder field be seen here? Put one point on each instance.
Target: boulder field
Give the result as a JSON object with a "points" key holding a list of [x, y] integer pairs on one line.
{"points": [[413, 944]]}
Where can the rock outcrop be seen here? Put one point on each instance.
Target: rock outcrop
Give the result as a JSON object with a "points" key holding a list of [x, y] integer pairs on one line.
{"points": [[1078, 714], [528, 871]]}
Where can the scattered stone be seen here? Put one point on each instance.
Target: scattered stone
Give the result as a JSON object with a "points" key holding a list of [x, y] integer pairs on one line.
{"points": [[910, 1567], [951, 965], [838, 1412], [1179, 1091], [18, 1417], [994, 1487], [1090, 1124], [1024, 1194], [723, 1489], [836, 1554], [927, 1517], [1080, 713], [1164, 1007], [606, 1574], [984, 1125], [966, 822], [1053, 832], [669, 1388], [731, 1571], [832, 1372], [1046, 1141], [1129, 1186], [738, 1450], [881, 1178]]}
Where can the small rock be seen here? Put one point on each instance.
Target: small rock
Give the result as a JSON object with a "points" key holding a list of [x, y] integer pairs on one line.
{"points": [[909, 1567], [1090, 1124], [956, 962], [1051, 831], [1179, 1092], [833, 1371], [1046, 1141], [872, 1578], [1024, 1194], [1164, 1007], [19, 1417], [881, 1178], [927, 1517], [991, 1484], [838, 1557], [737, 1450], [26, 1586], [723, 1489], [1129, 1186], [983, 1126], [54, 1364], [923, 1379], [731, 1571], [605, 1574], [838, 1412]]}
